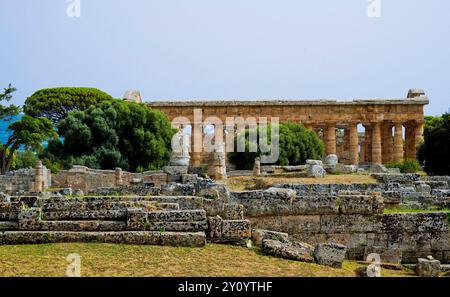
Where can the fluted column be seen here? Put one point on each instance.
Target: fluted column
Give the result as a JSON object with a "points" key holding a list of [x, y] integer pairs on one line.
{"points": [[353, 143], [196, 144], [376, 143], [330, 139], [398, 142], [368, 143], [386, 136], [410, 141], [419, 133]]}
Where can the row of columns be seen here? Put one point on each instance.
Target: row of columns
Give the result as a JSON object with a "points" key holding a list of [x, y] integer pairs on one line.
{"points": [[383, 141], [380, 144]]}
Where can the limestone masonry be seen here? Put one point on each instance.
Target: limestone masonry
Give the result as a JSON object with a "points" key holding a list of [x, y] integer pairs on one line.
{"points": [[383, 121]]}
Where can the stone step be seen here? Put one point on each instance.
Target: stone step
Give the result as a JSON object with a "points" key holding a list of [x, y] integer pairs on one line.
{"points": [[83, 226], [186, 239], [8, 225]]}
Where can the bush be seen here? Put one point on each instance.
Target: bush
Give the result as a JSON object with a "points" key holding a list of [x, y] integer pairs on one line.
{"points": [[24, 159], [407, 166], [113, 134], [56, 103], [434, 153], [296, 145]]}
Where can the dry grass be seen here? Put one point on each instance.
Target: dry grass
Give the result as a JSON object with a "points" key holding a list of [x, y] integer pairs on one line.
{"points": [[240, 183], [131, 260]]}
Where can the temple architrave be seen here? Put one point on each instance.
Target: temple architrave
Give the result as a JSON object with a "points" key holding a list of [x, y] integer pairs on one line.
{"points": [[392, 127]]}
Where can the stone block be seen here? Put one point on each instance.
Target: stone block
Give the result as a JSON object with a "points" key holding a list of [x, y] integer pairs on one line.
{"points": [[330, 254], [422, 187], [346, 223], [292, 251], [30, 218], [331, 160], [236, 230], [314, 162], [258, 235], [136, 219], [300, 224], [176, 216], [189, 178], [175, 172], [233, 211], [215, 227], [428, 267], [316, 171], [316, 204]]}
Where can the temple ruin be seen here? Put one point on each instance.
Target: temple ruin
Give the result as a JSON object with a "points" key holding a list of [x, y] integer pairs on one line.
{"points": [[392, 127]]}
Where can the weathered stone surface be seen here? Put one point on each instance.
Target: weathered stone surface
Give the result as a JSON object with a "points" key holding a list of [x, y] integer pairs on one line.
{"points": [[422, 187], [316, 171], [428, 267], [189, 178], [176, 215], [387, 255], [136, 219], [30, 218], [176, 189], [287, 250], [314, 162], [175, 172], [346, 223], [233, 211], [378, 168], [330, 254], [236, 230], [392, 198], [316, 204], [188, 239], [85, 225], [258, 235], [331, 160], [360, 204]]}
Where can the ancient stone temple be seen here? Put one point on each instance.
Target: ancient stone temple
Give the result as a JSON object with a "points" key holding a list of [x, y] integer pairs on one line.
{"points": [[392, 127]]}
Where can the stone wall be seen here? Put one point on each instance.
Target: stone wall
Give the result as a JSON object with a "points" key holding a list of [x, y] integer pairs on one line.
{"points": [[87, 179], [354, 219], [24, 180]]}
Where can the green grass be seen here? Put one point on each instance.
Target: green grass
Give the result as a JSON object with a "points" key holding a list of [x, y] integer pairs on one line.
{"points": [[99, 259]]}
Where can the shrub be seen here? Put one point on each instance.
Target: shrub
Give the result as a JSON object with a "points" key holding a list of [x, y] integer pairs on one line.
{"points": [[113, 134], [296, 145], [24, 159], [407, 166], [434, 153]]}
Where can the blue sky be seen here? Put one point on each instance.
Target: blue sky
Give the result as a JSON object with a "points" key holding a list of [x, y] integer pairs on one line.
{"points": [[233, 49]]}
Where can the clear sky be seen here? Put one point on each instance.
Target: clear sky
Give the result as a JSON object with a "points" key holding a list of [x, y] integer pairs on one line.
{"points": [[230, 49]]}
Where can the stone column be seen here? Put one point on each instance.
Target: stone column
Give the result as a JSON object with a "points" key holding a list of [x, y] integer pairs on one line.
{"points": [[376, 143], [196, 144], [398, 142], [119, 175], [419, 132], [410, 141], [38, 177], [368, 143], [386, 136], [353, 143], [329, 138], [363, 153]]}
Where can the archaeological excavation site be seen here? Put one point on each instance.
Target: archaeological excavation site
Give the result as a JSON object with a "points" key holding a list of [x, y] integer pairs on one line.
{"points": [[346, 206]]}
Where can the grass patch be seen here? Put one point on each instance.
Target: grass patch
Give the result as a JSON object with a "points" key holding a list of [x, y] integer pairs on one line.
{"points": [[98, 259]]}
